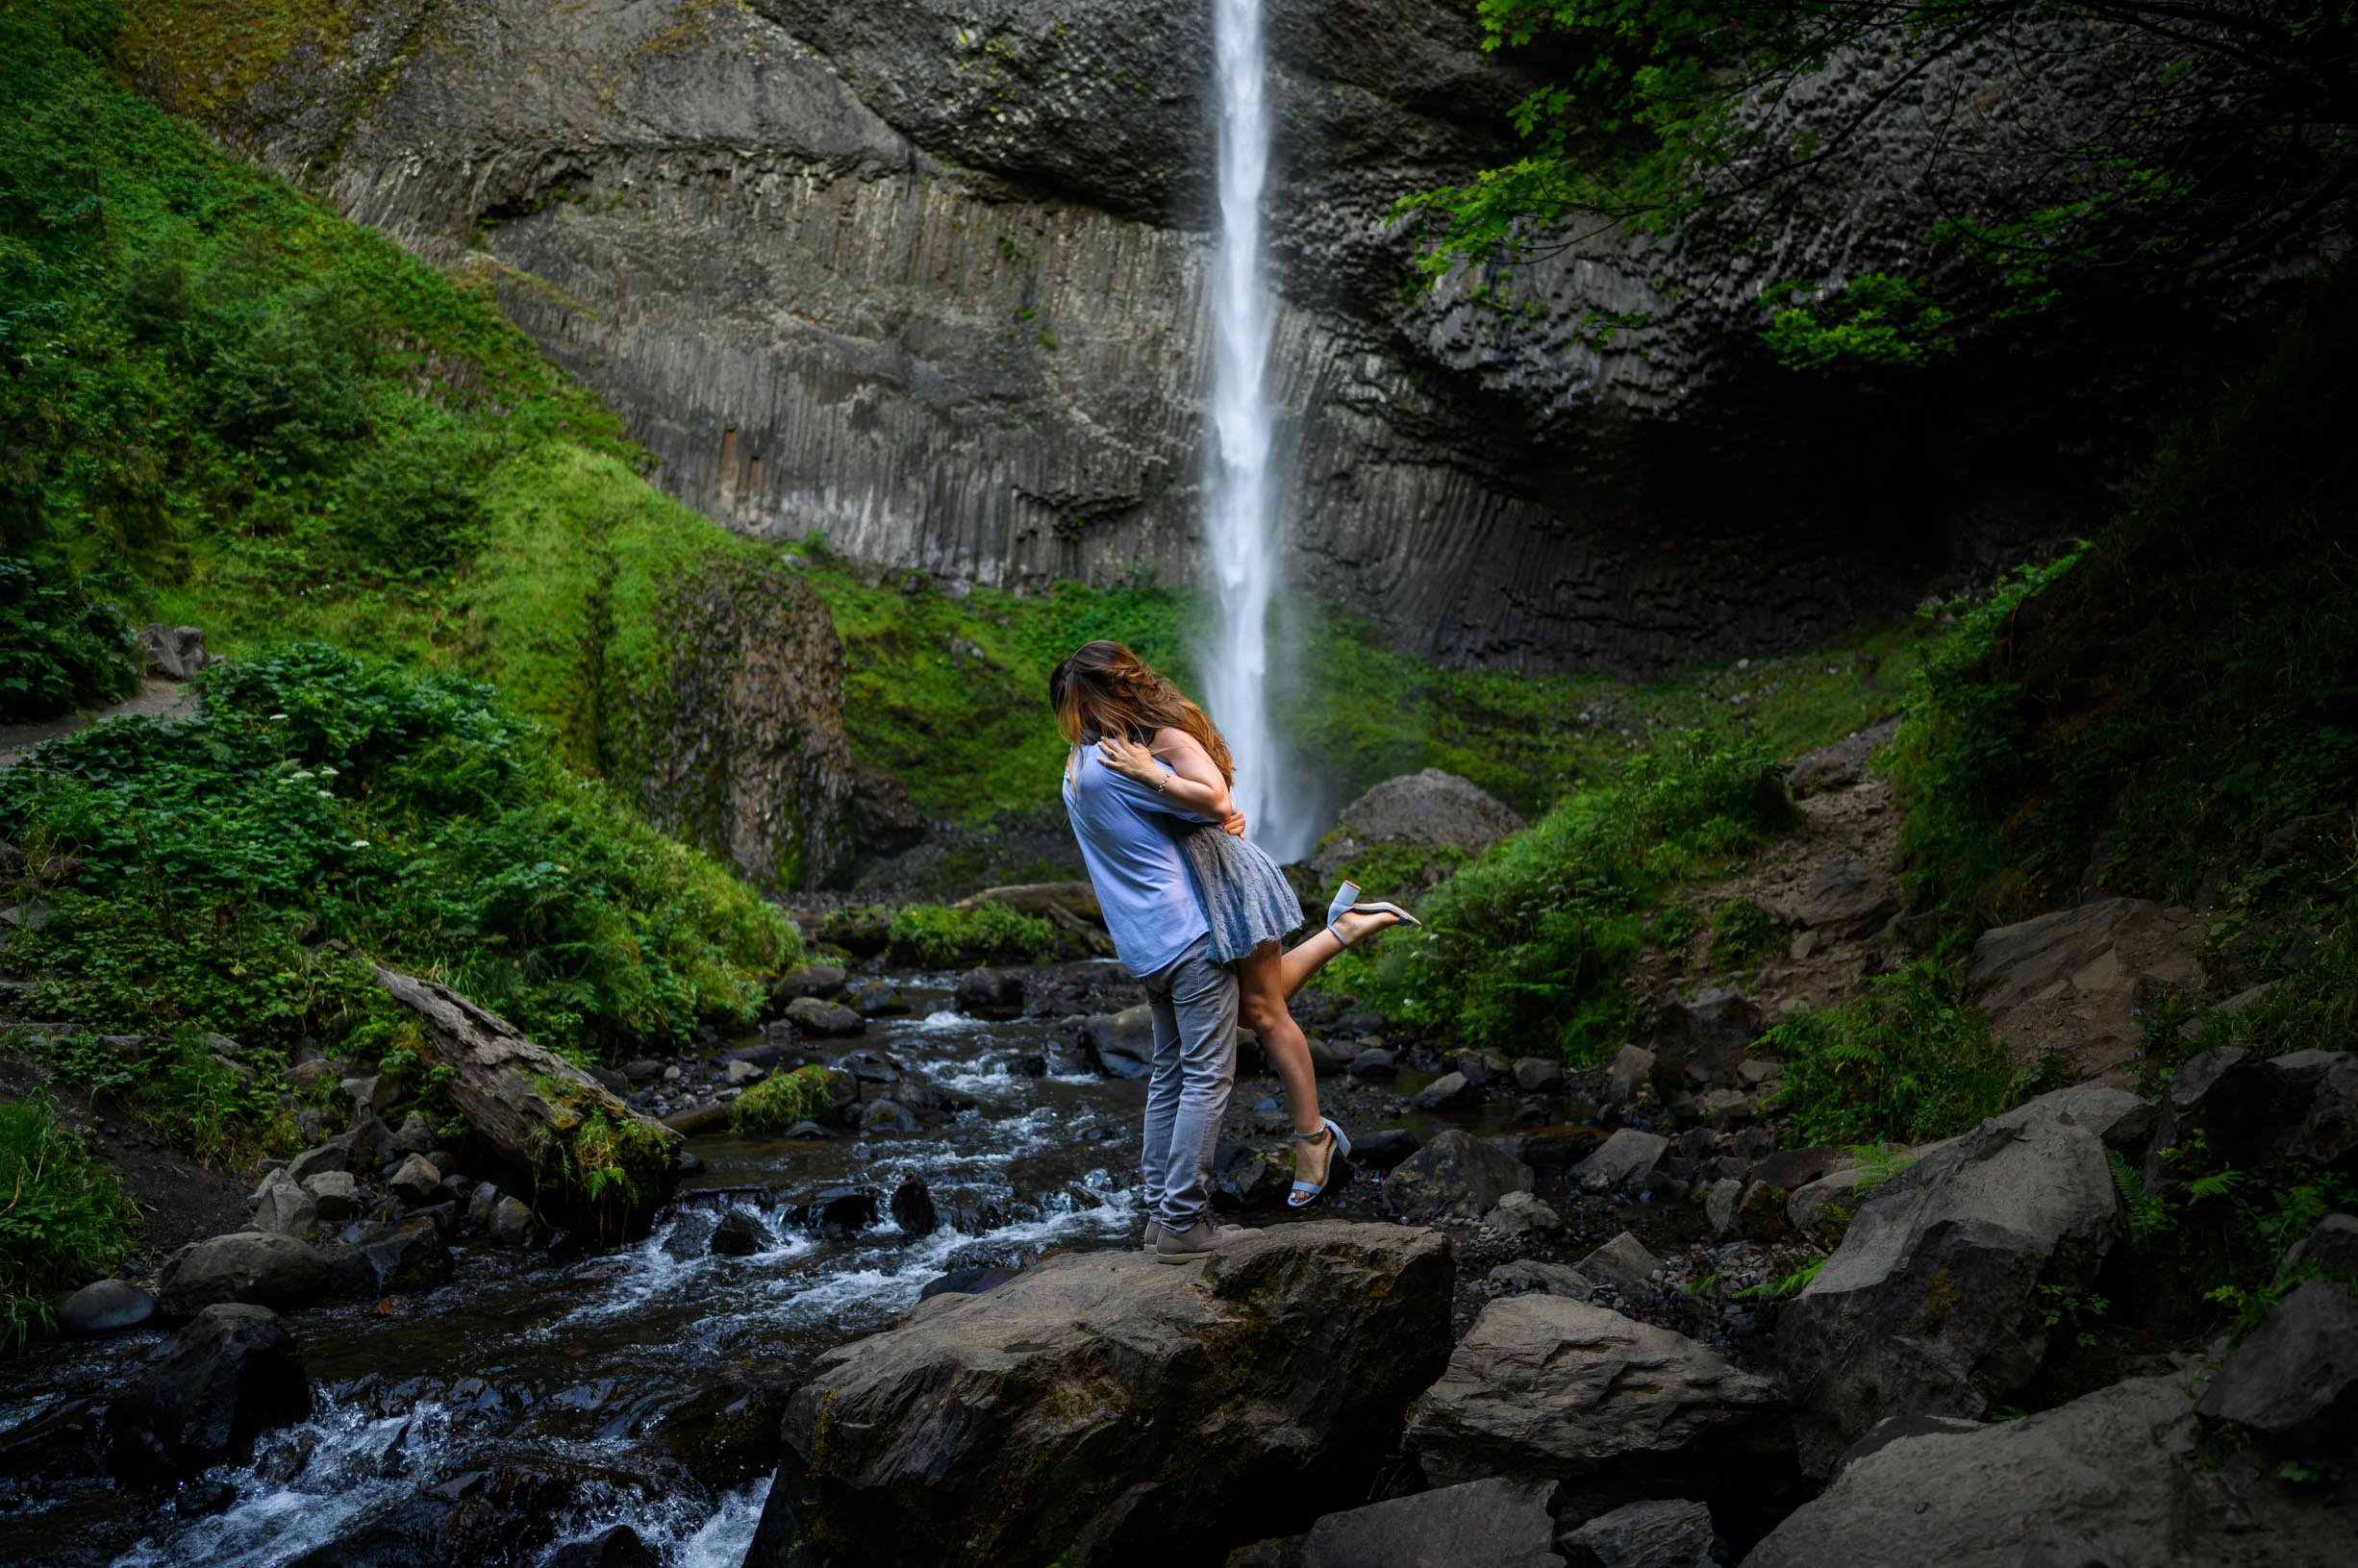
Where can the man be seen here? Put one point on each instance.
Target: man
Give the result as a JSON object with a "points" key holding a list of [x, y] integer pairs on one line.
{"points": [[1160, 934]]}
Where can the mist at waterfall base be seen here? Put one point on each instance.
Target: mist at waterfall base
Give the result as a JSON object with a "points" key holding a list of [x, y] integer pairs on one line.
{"points": [[1240, 515]]}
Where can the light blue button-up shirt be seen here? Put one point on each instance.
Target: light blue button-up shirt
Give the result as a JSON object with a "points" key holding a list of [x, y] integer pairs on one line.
{"points": [[1125, 831]]}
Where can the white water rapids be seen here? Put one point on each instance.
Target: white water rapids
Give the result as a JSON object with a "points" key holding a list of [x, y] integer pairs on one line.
{"points": [[1240, 519]]}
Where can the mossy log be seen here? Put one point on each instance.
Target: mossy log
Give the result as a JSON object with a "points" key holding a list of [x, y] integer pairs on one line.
{"points": [[1075, 900], [550, 1130]]}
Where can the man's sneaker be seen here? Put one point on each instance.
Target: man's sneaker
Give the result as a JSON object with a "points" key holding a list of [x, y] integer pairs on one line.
{"points": [[1198, 1239]]}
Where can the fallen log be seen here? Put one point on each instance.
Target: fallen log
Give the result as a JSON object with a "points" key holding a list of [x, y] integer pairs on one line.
{"points": [[590, 1162], [1075, 899]]}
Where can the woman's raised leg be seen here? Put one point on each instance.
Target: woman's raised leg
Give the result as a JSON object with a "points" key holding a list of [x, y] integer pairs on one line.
{"points": [[1313, 952], [1261, 1002]]}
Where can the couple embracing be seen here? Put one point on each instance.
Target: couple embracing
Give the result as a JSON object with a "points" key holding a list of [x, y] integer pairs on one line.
{"points": [[1197, 912]]}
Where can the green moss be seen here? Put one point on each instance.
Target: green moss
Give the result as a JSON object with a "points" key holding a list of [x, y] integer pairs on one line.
{"points": [[939, 937], [199, 56], [779, 1100]]}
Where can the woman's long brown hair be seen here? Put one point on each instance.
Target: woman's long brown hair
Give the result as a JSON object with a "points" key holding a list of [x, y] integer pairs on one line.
{"points": [[1104, 686]]}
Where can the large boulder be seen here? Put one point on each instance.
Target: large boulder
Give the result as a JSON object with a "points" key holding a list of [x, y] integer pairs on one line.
{"points": [[2296, 1380], [1845, 898], [1456, 1175], [262, 1268], [1547, 1388], [1122, 1044], [2073, 981], [2116, 1477], [2252, 1112], [105, 1306], [1933, 1303], [1660, 1532], [223, 1379], [1701, 1039], [1478, 1524], [1106, 1408], [283, 1206], [1430, 810], [1624, 1159]]}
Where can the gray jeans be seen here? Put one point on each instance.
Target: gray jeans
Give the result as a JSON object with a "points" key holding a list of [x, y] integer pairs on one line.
{"points": [[1194, 1005]]}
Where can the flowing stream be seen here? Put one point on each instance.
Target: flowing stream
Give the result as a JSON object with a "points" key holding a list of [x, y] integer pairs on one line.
{"points": [[578, 1367], [1242, 521]]}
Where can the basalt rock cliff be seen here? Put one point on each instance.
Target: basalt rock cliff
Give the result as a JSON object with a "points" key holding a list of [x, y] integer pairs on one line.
{"points": [[929, 275]]}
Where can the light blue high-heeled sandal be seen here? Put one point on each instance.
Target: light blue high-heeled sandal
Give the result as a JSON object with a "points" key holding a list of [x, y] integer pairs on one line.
{"points": [[1338, 1166], [1346, 901]]}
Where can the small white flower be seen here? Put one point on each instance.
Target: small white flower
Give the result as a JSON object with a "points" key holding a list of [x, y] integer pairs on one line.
{"points": [[301, 773], [326, 772], [278, 715], [360, 843], [323, 794]]}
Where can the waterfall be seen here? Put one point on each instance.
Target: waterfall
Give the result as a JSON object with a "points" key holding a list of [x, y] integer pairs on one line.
{"points": [[1241, 520]]}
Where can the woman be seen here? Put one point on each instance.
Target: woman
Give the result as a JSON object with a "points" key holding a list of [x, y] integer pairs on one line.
{"points": [[1109, 701]]}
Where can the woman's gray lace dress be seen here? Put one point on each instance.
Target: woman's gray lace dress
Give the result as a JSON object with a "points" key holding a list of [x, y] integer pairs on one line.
{"points": [[1247, 900]]}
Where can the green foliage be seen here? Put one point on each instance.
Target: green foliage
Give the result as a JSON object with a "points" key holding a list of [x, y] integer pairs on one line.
{"points": [[938, 935], [62, 1219], [779, 1100], [1909, 1061], [60, 647], [2146, 716], [611, 1169], [1743, 933], [321, 795], [1792, 1282], [1524, 948], [1875, 319]]}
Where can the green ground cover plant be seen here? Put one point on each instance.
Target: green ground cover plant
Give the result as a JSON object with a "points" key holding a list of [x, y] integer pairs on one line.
{"points": [[61, 647], [781, 1100], [938, 935], [62, 1218], [1524, 948], [319, 796], [1909, 1060]]}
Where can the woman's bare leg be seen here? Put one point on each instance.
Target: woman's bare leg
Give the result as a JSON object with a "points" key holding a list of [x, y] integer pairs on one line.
{"points": [[1261, 1003], [1312, 953]]}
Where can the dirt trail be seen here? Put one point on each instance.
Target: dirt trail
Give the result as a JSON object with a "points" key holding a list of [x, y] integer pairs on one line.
{"points": [[155, 698]]}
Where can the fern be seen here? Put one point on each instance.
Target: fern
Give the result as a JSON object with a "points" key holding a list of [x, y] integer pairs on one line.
{"points": [[2224, 1183], [2149, 1216]]}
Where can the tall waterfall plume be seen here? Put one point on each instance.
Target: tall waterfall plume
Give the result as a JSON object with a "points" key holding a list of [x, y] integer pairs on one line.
{"points": [[1242, 521]]}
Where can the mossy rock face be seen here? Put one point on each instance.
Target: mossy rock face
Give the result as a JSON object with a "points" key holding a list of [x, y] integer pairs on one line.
{"points": [[1103, 1407]]}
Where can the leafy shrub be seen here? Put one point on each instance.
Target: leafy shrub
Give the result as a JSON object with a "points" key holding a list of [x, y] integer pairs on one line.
{"points": [[1741, 932], [1524, 948], [779, 1100], [59, 648], [938, 935], [62, 1219], [321, 795], [1909, 1061]]}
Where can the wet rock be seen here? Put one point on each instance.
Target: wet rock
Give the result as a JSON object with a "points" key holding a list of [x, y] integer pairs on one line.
{"points": [[1666, 1532], [838, 1212], [1547, 1387], [969, 1282], [105, 1306], [1122, 1044], [1623, 1264], [282, 1205], [405, 1256], [1931, 1303], [1494, 1523], [809, 1131], [511, 1224], [1483, 1069], [887, 1116], [737, 1074], [1699, 1039], [505, 1513], [1528, 1274], [1536, 1075], [2296, 1380], [1383, 1147], [1456, 1174], [878, 999], [739, 1234], [258, 1267], [1520, 1215], [1375, 1062], [815, 980], [696, 1120], [824, 1019], [1556, 1147], [617, 1548], [415, 1136], [1622, 1162], [335, 1155], [990, 993], [480, 1204], [1246, 1177], [1027, 1066], [642, 1070], [869, 1066], [223, 1379], [2114, 1476], [1084, 1390], [1324, 1061], [1845, 898], [912, 1208], [1452, 1091], [930, 1100]]}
